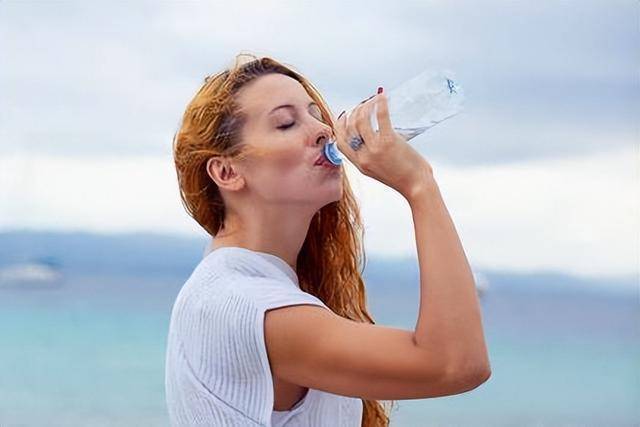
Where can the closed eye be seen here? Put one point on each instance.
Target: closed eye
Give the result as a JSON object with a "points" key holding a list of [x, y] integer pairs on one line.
{"points": [[287, 126]]}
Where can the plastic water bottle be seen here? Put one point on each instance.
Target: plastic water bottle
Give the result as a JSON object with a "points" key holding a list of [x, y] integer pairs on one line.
{"points": [[415, 105]]}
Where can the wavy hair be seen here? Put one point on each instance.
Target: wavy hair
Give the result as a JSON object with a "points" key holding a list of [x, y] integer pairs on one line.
{"points": [[333, 251]]}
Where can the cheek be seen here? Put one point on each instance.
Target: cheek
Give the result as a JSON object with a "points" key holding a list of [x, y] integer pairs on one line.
{"points": [[286, 159], [283, 177], [280, 154], [289, 159]]}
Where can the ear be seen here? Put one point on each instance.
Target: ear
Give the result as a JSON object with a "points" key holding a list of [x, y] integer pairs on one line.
{"points": [[225, 173]]}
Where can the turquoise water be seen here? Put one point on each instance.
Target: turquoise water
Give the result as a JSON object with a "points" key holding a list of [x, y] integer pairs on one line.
{"points": [[91, 353]]}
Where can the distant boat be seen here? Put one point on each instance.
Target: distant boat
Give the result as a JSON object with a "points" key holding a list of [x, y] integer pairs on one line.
{"points": [[41, 272]]}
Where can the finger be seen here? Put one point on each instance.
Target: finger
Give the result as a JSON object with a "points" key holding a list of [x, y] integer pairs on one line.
{"points": [[339, 128], [342, 139], [382, 114], [363, 123], [362, 102], [352, 131]]}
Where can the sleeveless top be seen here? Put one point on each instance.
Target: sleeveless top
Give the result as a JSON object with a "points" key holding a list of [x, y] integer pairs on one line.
{"points": [[217, 372]]}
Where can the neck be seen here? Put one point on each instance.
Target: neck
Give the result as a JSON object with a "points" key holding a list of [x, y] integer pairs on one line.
{"points": [[282, 236]]}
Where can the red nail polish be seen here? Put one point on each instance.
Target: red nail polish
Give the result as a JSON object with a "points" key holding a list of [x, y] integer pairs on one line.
{"points": [[380, 89]]}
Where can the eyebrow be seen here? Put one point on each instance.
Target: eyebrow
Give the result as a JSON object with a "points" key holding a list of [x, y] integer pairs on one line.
{"points": [[290, 106]]}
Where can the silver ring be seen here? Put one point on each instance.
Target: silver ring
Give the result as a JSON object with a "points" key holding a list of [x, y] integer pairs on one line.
{"points": [[356, 142]]}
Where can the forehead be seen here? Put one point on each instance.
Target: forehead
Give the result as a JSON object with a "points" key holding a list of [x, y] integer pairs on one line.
{"points": [[268, 91]]}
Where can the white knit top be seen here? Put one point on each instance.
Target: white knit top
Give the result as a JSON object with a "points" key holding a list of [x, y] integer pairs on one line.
{"points": [[217, 372]]}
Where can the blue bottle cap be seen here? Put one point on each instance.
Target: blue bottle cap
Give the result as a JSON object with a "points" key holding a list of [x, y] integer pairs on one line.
{"points": [[332, 154]]}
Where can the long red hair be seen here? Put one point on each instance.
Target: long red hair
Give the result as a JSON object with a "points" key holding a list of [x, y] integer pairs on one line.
{"points": [[332, 259]]}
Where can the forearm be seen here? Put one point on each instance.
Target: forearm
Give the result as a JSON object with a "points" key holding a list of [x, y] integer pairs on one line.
{"points": [[449, 318]]}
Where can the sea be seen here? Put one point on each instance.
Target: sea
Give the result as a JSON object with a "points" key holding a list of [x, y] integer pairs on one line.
{"points": [[91, 352]]}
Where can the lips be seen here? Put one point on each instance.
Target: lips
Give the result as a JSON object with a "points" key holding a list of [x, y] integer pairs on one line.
{"points": [[320, 160]]}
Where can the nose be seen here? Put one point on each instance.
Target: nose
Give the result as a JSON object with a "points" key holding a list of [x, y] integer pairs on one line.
{"points": [[323, 135]]}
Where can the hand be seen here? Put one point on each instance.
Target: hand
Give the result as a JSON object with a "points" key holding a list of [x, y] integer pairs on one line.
{"points": [[385, 155]]}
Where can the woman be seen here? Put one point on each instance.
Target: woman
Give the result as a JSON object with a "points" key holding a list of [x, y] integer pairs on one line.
{"points": [[272, 326]]}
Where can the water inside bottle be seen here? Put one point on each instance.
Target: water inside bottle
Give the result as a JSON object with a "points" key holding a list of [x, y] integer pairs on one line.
{"points": [[422, 102], [416, 105]]}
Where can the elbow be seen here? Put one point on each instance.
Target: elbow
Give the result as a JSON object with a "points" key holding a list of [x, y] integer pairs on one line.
{"points": [[483, 374], [474, 366], [466, 379], [477, 377]]}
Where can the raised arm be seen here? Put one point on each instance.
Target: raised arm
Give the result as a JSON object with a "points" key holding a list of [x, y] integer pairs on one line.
{"points": [[445, 354], [449, 317]]}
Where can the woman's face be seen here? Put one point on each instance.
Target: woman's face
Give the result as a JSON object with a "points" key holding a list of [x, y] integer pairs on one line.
{"points": [[283, 121]]}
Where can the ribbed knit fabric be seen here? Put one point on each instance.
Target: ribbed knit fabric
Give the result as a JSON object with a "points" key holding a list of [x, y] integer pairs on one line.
{"points": [[217, 372]]}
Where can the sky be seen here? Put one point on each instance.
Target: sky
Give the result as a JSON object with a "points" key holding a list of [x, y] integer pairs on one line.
{"points": [[539, 172]]}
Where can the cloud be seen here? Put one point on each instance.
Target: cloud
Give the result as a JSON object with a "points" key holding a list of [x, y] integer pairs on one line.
{"points": [[578, 215], [114, 78], [540, 170]]}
